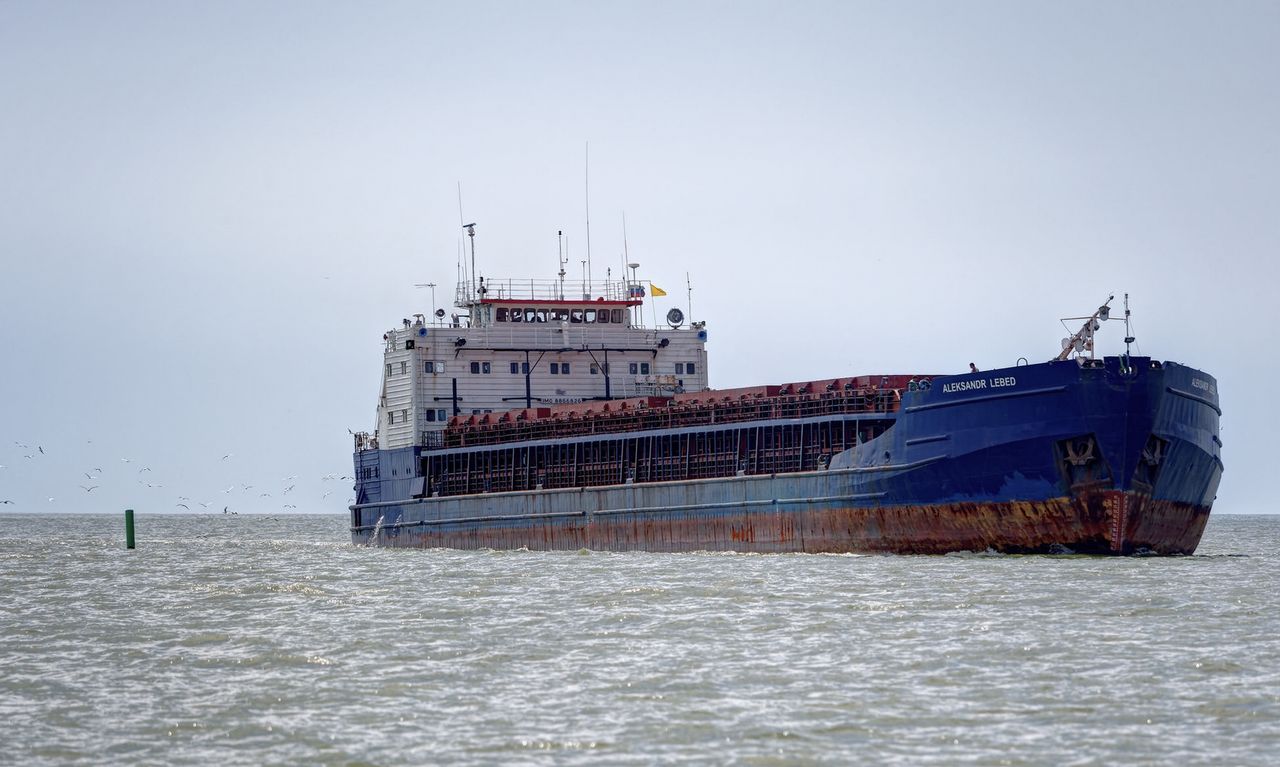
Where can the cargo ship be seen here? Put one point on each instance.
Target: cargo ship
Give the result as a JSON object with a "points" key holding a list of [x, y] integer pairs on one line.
{"points": [[547, 415]]}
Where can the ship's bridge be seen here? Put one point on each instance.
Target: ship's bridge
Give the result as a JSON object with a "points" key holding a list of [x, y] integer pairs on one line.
{"points": [[502, 302], [531, 343]]}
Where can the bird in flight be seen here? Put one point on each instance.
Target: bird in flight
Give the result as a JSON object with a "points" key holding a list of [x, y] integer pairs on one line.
{"points": [[228, 455], [90, 489], [89, 476], [144, 468], [185, 506], [125, 460], [6, 501], [40, 449]]}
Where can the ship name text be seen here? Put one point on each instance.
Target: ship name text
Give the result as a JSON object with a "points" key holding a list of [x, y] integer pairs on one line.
{"points": [[979, 383], [1204, 386]]}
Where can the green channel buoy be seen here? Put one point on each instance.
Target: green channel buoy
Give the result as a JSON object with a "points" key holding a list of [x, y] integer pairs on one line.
{"points": [[128, 528]]}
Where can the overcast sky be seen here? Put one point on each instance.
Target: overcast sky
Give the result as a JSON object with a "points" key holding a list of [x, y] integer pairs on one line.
{"points": [[210, 212]]}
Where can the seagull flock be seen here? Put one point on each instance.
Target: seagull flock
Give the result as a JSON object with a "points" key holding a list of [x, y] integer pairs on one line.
{"points": [[141, 477]]}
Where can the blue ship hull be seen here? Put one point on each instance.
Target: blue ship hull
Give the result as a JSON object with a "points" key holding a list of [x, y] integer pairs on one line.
{"points": [[1109, 456]]}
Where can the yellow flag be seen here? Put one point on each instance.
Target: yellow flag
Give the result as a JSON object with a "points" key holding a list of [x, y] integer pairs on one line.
{"points": [[656, 291]]}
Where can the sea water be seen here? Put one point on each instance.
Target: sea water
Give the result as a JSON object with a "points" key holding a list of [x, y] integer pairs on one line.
{"points": [[257, 639]]}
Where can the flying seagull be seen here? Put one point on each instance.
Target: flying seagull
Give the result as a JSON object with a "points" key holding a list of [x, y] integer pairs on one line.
{"points": [[144, 468], [90, 489], [4, 502], [40, 449], [185, 506], [228, 455]]}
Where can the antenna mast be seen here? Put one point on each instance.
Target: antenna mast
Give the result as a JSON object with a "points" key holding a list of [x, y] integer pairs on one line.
{"points": [[689, 305], [586, 176], [1128, 330], [560, 258], [471, 232]]}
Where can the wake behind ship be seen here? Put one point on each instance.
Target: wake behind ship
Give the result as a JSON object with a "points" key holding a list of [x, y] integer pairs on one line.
{"points": [[549, 417]]}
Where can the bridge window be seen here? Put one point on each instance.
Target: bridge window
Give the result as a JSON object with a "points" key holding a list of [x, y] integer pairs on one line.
{"points": [[603, 316], [595, 369], [541, 314], [591, 315], [575, 316], [688, 368], [515, 368], [555, 368], [503, 314], [440, 415], [388, 369], [517, 315], [564, 368], [617, 316], [530, 315], [635, 369], [480, 368], [644, 368], [404, 368], [559, 315]]}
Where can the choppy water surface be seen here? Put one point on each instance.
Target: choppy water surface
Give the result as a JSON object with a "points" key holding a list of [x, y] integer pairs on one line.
{"points": [[266, 640]]}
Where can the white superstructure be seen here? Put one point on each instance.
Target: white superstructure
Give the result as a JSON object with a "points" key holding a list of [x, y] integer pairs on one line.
{"points": [[528, 344]]}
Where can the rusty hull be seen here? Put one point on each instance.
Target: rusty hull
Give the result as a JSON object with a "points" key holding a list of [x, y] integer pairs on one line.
{"points": [[1108, 522]]}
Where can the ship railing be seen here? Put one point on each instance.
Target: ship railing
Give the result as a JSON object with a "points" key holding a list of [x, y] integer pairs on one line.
{"points": [[469, 291], [365, 441], [675, 414]]}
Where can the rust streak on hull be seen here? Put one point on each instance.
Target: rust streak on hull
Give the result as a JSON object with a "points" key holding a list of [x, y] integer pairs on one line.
{"points": [[1107, 522]]}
